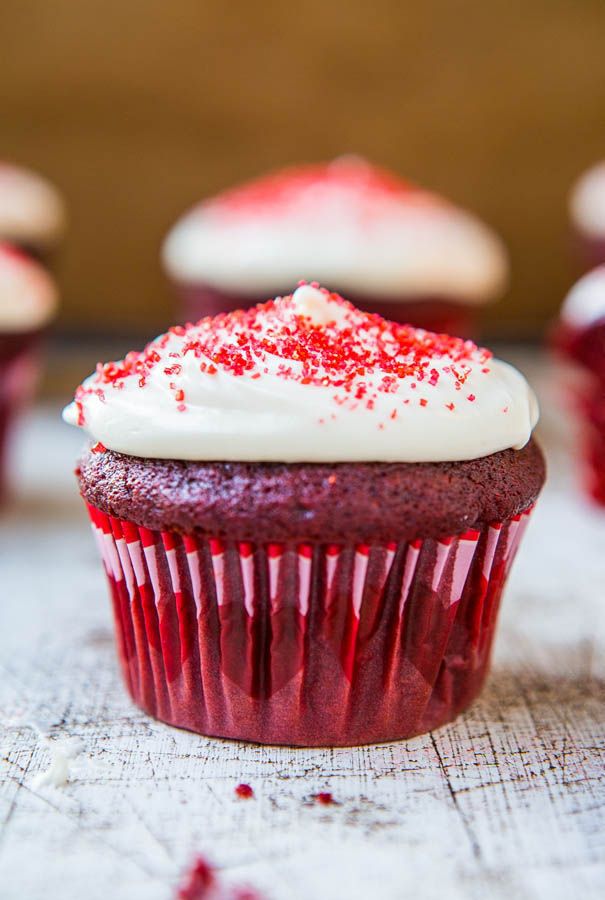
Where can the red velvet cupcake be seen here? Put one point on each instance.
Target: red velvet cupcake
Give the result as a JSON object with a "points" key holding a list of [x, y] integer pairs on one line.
{"points": [[32, 212], [307, 515], [28, 302], [587, 213], [391, 247], [580, 338]]}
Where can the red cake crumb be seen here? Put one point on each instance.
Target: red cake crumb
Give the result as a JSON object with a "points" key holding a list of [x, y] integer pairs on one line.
{"points": [[338, 354], [198, 882], [324, 798], [201, 883], [244, 791]]}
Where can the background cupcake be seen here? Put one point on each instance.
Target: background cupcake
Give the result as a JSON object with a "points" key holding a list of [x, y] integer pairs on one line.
{"points": [[392, 247], [32, 212], [307, 515], [587, 211], [28, 301], [580, 338]]}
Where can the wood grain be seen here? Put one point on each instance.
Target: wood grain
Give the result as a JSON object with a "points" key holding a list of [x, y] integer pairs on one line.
{"points": [[509, 801]]}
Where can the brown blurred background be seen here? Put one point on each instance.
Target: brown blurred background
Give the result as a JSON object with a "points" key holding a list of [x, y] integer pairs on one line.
{"points": [[137, 108]]}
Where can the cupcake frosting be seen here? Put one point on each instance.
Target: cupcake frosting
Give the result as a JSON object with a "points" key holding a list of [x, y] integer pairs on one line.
{"points": [[345, 223], [587, 201], [28, 297], [306, 378], [31, 209], [585, 303]]}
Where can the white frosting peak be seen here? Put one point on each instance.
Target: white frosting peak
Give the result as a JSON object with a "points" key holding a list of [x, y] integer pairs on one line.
{"points": [[585, 303], [346, 223], [306, 378], [312, 303], [31, 209], [28, 297], [587, 201]]}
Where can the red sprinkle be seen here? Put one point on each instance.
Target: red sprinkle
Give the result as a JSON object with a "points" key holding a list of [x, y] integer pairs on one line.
{"points": [[198, 882], [98, 448], [244, 791]]}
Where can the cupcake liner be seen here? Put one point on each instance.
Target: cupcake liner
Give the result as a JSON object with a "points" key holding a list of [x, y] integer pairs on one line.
{"points": [[19, 366], [304, 644], [590, 408]]}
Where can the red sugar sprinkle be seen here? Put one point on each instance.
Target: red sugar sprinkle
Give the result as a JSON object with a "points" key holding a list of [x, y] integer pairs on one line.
{"points": [[339, 354], [324, 798], [98, 448], [471, 397], [244, 791], [451, 406]]}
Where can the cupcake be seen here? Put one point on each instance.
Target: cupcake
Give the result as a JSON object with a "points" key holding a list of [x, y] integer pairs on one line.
{"points": [[32, 213], [307, 515], [587, 213], [28, 301], [391, 247], [580, 339]]}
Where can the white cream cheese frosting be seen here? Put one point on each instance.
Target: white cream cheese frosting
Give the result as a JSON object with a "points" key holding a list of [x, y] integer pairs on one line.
{"points": [[587, 201], [585, 303], [346, 223], [31, 209], [28, 296], [306, 378]]}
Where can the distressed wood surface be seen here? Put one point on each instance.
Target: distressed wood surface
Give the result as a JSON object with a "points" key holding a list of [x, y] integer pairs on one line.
{"points": [[509, 801]]}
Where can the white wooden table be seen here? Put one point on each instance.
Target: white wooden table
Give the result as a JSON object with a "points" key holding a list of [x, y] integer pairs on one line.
{"points": [[508, 802]]}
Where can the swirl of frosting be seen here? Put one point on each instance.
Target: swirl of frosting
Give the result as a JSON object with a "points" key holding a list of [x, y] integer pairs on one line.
{"points": [[306, 378], [346, 223], [28, 297], [31, 209], [587, 201]]}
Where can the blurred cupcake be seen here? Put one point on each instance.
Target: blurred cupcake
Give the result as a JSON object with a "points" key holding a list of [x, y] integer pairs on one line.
{"points": [[307, 515], [28, 301], [580, 337], [390, 246], [587, 212], [32, 213]]}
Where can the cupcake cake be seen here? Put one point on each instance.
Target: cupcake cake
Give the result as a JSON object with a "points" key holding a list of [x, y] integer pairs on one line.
{"points": [[580, 338], [307, 515], [32, 213], [587, 213], [28, 301], [390, 246]]}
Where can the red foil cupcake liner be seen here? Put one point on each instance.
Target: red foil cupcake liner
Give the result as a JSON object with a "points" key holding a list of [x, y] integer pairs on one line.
{"points": [[590, 410], [19, 367], [309, 645]]}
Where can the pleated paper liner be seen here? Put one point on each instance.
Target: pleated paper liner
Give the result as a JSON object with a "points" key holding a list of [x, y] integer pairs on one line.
{"points": [[305, 644], [19, 368]]}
